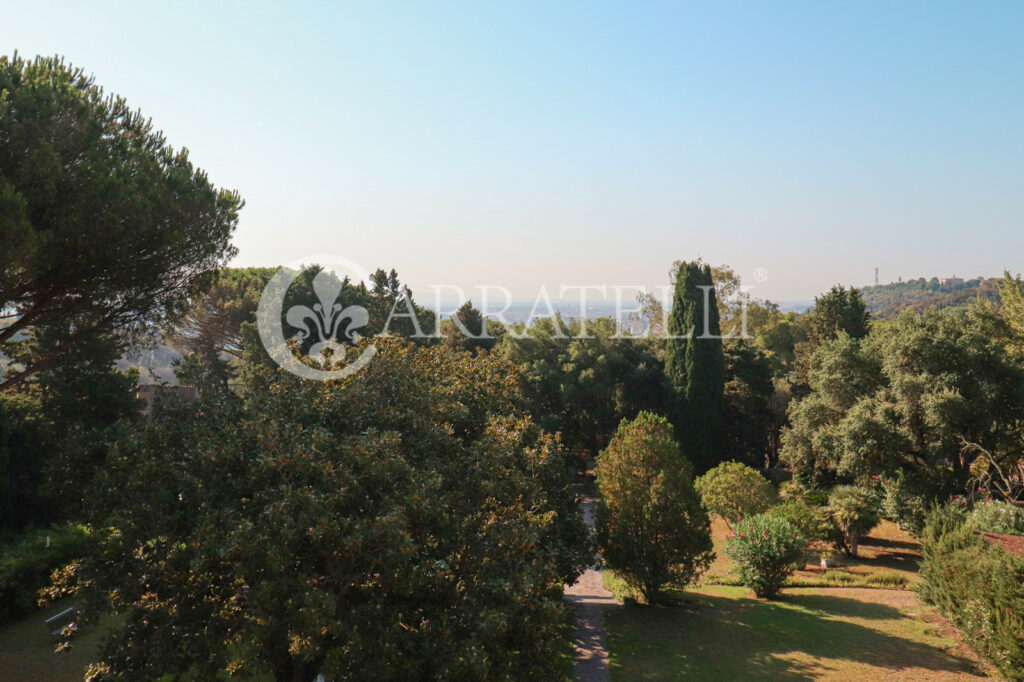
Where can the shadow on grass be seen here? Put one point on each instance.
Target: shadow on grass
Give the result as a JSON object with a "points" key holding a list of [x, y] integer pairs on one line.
{"points": [[891, 544], [799, 638]]}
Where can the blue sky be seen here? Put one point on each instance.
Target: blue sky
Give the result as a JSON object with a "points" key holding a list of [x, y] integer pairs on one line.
{"points": [[528, 143]]}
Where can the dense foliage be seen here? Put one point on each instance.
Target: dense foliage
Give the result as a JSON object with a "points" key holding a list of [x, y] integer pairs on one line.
{"points": [[652, 528], [978, 586], [814, 522], [906, 399], [401, 523], [733, 491], [582, 387], [766, 550], [27, 561]]}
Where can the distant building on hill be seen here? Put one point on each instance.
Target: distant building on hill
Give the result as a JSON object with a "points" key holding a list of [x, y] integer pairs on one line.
{"points": [[951, 280]]}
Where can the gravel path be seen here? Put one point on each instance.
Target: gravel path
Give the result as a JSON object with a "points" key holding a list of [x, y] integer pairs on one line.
{"points": [[590, 600]]}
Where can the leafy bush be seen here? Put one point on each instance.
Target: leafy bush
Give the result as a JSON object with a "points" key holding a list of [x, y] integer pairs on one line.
{"points": [[901, 505], [997, 517], [26, 564], [790, 491], [978, 586], [766, 550], [855, 511], [814, 523], [733, 491], [816, 498], [651, 526]]}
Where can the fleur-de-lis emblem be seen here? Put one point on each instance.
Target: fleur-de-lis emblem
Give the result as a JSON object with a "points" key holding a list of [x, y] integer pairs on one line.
{"points": [[324, 320]]}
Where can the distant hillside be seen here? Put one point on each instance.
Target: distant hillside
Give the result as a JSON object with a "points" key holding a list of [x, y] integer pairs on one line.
{"points": [[887, 301]]}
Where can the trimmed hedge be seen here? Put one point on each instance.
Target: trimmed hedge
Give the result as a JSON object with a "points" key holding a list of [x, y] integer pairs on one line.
{"points": [[26, 564], [978, 586]]}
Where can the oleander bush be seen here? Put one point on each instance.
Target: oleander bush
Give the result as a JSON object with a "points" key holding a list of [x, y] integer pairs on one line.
{"points": [[978, 586], [996, 517], [766, 550]]}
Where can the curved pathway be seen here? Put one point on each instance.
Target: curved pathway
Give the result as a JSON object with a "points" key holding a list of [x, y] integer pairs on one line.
{"points": [[590, 600]]}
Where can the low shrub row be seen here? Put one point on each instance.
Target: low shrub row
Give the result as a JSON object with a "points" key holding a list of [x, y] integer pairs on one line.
{"points": [[978, 586], [27, 561]]}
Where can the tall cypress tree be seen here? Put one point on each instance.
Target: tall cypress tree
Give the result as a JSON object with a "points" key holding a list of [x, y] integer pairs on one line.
{"points": [[695, 365]]}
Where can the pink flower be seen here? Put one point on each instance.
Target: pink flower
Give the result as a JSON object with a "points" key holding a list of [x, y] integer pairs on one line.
{"points": [[743, 535]]}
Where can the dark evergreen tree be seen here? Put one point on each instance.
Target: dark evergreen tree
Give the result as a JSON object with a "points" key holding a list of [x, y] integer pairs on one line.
{"points": [[482, 333], [695, 365], [840, 310]]}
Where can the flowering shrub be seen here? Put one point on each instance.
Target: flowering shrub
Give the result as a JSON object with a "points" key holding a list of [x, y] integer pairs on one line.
{"points": [[766, 550], [997, 517]]}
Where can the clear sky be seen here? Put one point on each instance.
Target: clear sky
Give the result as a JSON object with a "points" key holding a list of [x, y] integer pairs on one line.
{"points": [[519, 143]]}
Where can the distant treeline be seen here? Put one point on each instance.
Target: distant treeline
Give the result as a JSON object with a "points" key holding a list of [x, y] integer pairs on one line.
{"points": [[887, 301]]}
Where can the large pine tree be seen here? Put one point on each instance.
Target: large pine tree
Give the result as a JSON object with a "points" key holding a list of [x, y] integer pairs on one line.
{"points": [[695, 365]]}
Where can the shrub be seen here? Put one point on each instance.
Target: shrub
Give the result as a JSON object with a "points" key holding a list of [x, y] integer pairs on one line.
{"points": [[901, 505], [766, 550], [814, 523], [816, 498], [733, 491], [27, 562], [997, 517], [978, 586], [855, 511], [791, 491], [652, 528]]}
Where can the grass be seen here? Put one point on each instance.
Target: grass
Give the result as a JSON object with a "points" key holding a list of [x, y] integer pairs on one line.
{"points": [[723, 633], [888, 558], [26, 650]]}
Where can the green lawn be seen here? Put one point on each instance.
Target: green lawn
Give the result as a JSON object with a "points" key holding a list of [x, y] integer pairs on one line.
{"points": [[723, 633], [26, 651]]}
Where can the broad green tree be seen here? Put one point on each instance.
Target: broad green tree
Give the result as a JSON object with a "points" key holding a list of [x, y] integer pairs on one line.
{"points": [[652, 528], [907, 399], [402, 523], [584, 387], [107, 229]]}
